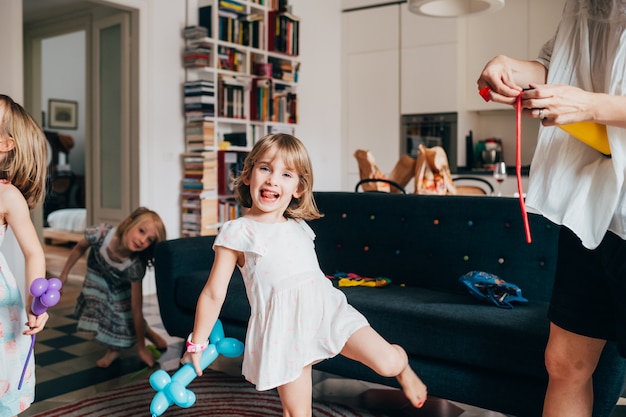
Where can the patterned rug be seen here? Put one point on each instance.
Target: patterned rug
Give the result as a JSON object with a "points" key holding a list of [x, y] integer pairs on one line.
{"points": [[217, 395]]}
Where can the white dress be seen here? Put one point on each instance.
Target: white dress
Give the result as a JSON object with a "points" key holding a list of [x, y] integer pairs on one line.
{"points": [[297, 316], [14, 346]]}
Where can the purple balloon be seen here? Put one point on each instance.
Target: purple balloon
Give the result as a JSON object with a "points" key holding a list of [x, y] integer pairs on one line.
{"points": [[50, 298], [37, 307], [38, 287], [54, 284]]}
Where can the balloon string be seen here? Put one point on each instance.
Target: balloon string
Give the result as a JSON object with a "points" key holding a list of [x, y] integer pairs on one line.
{"points": [[518, 166], [30, 351]]}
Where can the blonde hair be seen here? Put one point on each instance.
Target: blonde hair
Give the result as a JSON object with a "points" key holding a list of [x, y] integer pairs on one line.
{"points": [[138, 216], [296, 157], [24, 165]]}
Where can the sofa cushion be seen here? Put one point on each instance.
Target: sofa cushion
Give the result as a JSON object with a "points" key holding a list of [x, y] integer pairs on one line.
{"points": [[236, 306], [457, 328]]}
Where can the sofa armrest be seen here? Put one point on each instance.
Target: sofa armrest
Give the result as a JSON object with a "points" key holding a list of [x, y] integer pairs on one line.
{"points": [[174, 259]]}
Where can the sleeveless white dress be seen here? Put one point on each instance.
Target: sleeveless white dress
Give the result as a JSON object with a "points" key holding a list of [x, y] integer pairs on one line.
{"points": [[297, 316], [14, 346]]}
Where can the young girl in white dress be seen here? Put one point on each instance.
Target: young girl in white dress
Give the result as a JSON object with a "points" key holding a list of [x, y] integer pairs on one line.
{"points": [[298, 318], [23, 151]]}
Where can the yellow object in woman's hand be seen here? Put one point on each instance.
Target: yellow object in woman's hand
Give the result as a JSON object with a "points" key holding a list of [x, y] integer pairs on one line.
{"points": [[591, 133]]}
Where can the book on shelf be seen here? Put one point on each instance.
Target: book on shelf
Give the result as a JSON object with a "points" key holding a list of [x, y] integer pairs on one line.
{"points": [[229, 209], [231, 97], [231, 59], [199, 99], [205, 19], [232, 5], [279, 5], [236, 138], [197, 57], [199, 216], [260, 99], [199, 172], [233, 27], [256, 30], [283, 69], [263, 69], [284, 104], [195, 32], [283, 33], [230, 165]]}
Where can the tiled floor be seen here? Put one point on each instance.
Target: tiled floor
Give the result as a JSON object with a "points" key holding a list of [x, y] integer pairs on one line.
{"points": [[66, 371]]}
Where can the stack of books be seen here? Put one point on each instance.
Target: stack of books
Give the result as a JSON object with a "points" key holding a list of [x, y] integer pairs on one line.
{"points": [[199, 99], [200, 135], [199, 202]]}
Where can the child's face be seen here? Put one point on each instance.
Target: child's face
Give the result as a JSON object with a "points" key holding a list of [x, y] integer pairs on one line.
{"points": [[141, 236], [272, 185]]}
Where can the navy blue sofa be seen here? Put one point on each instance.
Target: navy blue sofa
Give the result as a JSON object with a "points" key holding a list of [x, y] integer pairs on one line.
{"points": [[463, 349]]}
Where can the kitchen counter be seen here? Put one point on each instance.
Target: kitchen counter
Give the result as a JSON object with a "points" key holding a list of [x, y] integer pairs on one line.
{"points": [[510, 170]]}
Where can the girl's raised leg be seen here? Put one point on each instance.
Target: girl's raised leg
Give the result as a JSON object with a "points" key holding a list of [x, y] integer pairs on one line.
{"points": [[369, 348], [297, 396]]}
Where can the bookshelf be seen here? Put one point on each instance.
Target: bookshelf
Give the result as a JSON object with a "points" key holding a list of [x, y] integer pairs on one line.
{"points": [[241, 73]]}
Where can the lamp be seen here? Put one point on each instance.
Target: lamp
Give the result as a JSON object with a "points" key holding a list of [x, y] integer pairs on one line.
{"points": [[453, 8]]}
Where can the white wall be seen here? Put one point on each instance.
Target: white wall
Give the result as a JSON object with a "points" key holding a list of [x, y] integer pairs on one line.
{"points": [[319, 92], [63, 73]]}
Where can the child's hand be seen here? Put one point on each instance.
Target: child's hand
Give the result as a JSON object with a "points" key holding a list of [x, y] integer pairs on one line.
{"points": [[35, 323], [194, 360]]}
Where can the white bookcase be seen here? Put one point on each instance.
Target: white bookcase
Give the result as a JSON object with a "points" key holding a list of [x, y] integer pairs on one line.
{"points": [[241, 73]]}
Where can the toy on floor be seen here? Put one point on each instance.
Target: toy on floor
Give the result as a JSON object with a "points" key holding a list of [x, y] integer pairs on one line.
{"points": [[351, 279], [46, 293], [174, 390]]}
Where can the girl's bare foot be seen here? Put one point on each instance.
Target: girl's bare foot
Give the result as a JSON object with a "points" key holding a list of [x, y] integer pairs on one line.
{"points": [[108, 358], [156, 339], [413, 387]]}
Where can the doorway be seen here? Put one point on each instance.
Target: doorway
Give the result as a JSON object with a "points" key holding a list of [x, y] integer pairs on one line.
{"points": [[106, 106]]}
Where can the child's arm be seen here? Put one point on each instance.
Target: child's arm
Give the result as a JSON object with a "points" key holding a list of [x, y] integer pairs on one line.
{"points": [[77, 251], [136, 301], [211, 300], [18, 217]]}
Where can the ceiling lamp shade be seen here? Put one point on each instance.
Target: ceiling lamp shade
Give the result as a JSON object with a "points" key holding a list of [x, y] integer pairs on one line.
{"points": [[453, 8]]}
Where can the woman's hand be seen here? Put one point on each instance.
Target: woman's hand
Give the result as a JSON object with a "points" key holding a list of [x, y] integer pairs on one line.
{"points": [[504, 78], [498, 77], [35, 323], [559, 104], [194, 360]]}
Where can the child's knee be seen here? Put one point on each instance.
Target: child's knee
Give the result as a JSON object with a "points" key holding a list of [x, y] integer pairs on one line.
{"points": [[395, 362]]}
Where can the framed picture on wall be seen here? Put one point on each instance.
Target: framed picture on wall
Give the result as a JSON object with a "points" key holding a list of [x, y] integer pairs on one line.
{"points": [[62, 114]]}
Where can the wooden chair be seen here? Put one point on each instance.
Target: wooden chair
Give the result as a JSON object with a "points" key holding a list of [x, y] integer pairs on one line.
{"points": [[467, 185], [386, 181]]}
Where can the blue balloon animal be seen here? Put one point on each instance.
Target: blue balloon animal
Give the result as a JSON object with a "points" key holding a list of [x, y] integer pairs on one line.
{"points": [[174, 390]]}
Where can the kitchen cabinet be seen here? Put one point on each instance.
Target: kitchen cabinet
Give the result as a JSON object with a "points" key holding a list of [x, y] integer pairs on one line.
{"points": [[429, 64], [371, 87], [517, 30], [504, 32]]}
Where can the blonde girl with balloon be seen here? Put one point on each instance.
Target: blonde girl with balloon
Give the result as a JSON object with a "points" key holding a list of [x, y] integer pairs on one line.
{"points": [[23, 155], [297, 317]]}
